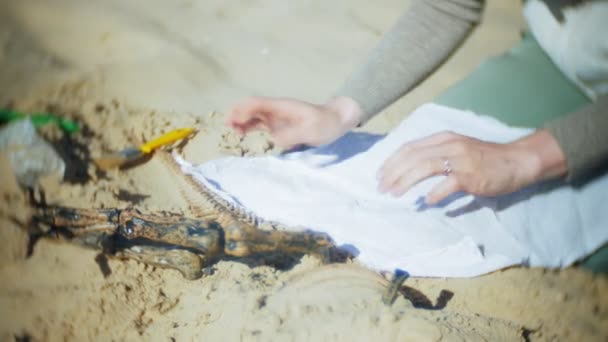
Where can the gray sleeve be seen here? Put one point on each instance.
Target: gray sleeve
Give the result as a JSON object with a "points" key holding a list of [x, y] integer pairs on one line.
{"points": [[583, 137], [423, 37]]}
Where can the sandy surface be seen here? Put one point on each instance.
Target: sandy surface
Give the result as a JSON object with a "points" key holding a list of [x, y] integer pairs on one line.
{"points": [[131, 70]]}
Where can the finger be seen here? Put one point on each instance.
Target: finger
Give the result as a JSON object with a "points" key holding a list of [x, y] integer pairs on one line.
{"points": [[431, 140], [258, 114], [254, 123], [424, 170], [442, 190], [411, 147], [399, 165], [250, 108], [422, 162]]}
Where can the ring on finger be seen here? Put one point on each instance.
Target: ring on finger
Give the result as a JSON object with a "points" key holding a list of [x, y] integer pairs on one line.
{"points": [[447, 167]]}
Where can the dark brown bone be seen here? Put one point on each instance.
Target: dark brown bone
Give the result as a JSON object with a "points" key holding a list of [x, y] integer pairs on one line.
{"points": [[79, 221], [204, 236], [190, 265], [244, 241], [175, 241]]}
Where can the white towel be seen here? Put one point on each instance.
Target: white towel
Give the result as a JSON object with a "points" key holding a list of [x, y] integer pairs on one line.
{"points": [[333, 189]]}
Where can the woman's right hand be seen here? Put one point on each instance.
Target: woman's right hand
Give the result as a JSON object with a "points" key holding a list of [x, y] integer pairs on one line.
{"points": [[292, 122]]}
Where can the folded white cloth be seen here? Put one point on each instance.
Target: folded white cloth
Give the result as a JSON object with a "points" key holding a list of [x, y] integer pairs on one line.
{"points": [[333, 189]]}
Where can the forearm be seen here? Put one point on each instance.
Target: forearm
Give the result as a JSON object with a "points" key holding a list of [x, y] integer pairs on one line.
{"points": [[541, 157], [419, 42]]}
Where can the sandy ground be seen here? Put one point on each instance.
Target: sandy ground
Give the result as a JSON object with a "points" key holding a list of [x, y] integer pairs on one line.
{"points": [[131, 70]]}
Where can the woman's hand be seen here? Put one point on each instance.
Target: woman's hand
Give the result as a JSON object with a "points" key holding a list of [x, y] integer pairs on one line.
{"points": [[291, 122], [471, 165]]}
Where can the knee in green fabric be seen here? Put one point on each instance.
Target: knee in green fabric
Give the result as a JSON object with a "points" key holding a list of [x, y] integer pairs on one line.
{"points": [[521, 88], [598, 261]]}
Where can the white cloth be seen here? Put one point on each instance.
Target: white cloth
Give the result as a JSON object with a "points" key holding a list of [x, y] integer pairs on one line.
{"points": [[334, 189], [578, 45]]}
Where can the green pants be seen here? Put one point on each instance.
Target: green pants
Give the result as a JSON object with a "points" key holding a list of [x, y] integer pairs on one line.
{"points": [[521, 88]]}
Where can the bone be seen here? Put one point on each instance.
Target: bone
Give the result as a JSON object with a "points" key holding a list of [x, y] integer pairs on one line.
{"points": [[189, 264]]}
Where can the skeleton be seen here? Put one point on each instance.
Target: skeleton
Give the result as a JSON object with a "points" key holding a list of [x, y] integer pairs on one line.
{"points": [[173, 241], [218, 230]]}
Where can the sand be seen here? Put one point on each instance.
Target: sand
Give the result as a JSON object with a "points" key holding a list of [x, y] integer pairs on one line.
{"points": [[131, 70]]}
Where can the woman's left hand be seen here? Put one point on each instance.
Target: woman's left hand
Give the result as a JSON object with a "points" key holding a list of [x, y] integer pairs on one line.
{"points": [[471, 165]]}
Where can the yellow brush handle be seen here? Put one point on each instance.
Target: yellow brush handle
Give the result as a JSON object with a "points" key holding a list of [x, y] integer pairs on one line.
{"points": [[166, 139]]}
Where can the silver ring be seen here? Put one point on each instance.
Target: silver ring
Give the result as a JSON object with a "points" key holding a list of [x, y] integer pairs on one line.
{"points": [[447, 167]]}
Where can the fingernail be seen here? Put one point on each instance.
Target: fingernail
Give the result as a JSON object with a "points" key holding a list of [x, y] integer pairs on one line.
{"points": [[397, 193]]}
